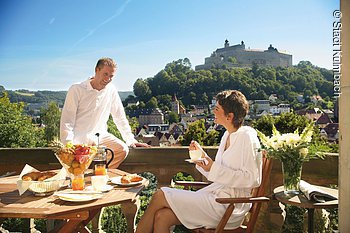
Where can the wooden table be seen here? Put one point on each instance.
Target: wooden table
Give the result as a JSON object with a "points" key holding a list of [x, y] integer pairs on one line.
{"points": [[76, 214], [301, 201]]}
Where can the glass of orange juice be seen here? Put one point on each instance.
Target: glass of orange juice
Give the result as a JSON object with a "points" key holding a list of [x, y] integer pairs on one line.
{"points": [[100, 169], [78, 182]]}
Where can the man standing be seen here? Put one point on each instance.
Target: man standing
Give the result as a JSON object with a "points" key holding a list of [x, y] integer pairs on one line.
{"points": [[87, 108]]}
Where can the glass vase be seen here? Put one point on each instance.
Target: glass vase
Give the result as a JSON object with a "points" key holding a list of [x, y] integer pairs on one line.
{"points": [[291, 170]]}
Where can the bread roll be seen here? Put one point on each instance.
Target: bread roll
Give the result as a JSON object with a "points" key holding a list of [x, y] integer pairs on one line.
{"points": [[38, 176], [31, 176], [127, 179]]}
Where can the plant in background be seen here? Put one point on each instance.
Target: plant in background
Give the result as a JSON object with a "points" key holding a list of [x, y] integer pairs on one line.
{"points": [[294, 219], [113, 219], [292, 149]]}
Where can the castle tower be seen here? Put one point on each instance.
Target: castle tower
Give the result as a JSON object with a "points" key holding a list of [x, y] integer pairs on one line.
{"points": [[227, 44]]}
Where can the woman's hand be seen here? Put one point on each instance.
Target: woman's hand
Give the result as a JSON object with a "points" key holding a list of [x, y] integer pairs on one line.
{"points": [[205, 164], [194, 145]]}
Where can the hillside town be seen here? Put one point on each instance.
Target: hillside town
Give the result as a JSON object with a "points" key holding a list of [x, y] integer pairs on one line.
{"points": [[154, 130]]}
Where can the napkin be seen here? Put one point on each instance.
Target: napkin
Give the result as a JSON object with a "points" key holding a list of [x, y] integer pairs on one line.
{"points": [[315, 194], [22, 186]]}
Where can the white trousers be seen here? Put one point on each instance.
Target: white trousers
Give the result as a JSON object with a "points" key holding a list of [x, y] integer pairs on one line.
{"points": [[120, 149]]}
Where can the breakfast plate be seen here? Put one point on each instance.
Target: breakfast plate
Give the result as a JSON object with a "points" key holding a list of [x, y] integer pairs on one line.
{"points": [[78, 197], [105, 188], [193, 161], [117, 180]]}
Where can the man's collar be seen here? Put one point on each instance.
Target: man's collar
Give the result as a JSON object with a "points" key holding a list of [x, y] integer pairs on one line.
{"points": [[87, 84]]}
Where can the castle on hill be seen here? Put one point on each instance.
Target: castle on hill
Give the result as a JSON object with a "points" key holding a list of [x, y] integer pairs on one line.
{"points": [[239, 56]]}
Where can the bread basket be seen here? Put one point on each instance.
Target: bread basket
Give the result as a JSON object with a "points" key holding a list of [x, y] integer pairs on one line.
{"points": [[45, 187], [41, 187]]}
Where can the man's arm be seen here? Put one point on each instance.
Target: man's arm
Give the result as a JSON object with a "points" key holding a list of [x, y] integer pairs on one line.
{"points": [[68, 116], [120, 120]]}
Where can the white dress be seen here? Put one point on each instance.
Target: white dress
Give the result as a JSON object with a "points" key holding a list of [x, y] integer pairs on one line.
{"points": [[234, 173]]}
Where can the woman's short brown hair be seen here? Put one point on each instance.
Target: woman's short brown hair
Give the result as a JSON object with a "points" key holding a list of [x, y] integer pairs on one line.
{"points": [[233, 101]]}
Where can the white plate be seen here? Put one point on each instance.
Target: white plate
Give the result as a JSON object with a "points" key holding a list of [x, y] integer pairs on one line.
{"points": [[193, 161], [117, 180], [78, 197], [106, 188]]}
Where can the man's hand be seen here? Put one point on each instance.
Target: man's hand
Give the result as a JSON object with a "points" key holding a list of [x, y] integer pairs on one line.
{"points": [[139, 144]]}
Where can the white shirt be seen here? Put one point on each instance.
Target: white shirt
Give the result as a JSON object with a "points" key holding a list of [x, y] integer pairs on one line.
{"points": [[86, 112]]}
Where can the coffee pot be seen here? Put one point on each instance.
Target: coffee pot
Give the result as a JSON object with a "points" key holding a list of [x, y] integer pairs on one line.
{"points": [[101, 156]]}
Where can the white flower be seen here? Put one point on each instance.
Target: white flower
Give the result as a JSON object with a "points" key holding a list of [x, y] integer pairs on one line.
{"points": [[279, 145], [303, 152]]}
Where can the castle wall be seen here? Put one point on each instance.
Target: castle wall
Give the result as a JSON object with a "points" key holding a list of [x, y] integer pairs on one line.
{"points": [[246, 58]]}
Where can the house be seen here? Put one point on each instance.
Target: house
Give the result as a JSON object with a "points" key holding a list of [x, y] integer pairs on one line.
{"points": [[153, 128], [187, 119], [262, 105], [273, 98], [323, 120], [312, 114], [331, 132], [329, 112], [133, 102], [282, 108], [142, 131], [175, 128], [154, 117], [199, 109], [150, 139], [147, 116]]}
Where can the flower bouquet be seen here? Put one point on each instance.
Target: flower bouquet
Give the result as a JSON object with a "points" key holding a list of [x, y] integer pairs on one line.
{"points": [[292, 150]]}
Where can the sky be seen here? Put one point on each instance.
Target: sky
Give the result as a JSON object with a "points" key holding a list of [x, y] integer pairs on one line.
{"points": [[51, 44]]}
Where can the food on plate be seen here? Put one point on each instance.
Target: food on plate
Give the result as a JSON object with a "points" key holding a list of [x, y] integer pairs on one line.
{"points": [[127, 179], [38, 176], [75, 158]]}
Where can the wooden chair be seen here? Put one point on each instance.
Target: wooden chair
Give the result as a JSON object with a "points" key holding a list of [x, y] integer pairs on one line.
{"points": [[257, 199]]}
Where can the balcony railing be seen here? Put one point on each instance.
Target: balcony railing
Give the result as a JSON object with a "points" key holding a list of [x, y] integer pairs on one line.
{"points": [[165, 162]]}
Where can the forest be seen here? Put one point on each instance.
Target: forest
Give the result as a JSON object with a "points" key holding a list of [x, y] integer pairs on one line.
{"points": [[198, 87]]}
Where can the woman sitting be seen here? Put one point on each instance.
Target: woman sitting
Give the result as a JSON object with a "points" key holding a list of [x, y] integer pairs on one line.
{"points": [[235, 171]]}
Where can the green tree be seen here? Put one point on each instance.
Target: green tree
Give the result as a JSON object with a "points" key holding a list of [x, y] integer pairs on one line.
{"points": [[285, 123], [112, 128], [16, 129], [51, 119], [142, 90], [197, 131], [173, 117], [233, 60], [152, 103]]}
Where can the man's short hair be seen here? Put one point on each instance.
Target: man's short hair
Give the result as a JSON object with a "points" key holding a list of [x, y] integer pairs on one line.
{"points": [[106, 61]]}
